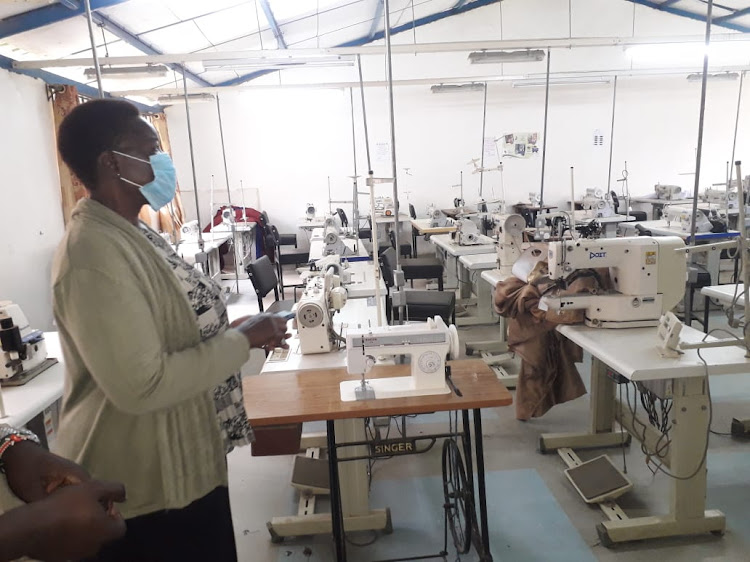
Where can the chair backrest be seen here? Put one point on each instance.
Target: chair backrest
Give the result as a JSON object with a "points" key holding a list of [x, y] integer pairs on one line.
{"points": [[263, 275], [412, 211], [392, 238], [264, 222], [342, 217], [387, 265], [275, 234]]}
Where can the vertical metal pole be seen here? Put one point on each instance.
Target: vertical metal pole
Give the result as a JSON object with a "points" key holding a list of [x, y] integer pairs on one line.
{"points": [[612, 138], [736, 127], [484, 128], [394, 168], [539, 217], [355, 187], [192, 164], [97, 69], [229, 196], [364, 116], [744, 253], [701, 117]]}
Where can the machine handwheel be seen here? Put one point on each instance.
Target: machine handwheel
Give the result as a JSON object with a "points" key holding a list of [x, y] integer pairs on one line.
{"points": [[459, 498]]}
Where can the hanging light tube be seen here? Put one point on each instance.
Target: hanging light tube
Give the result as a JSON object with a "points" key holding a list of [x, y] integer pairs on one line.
{"points": [[147, 71], [501, 57], [452, 88]]}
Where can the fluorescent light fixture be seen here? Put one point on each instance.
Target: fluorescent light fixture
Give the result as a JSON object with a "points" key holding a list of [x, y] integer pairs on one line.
{"points": [[497, 57], [147, 71], [448, 88], [725, 76], [280, 63], [171, 99], [562, 82], [684, 54]]}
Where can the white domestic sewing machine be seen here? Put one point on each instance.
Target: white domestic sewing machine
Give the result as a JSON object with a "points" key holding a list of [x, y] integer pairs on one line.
{"points": [[427, 344], [667, 192], [467, 233], [310, 212], [509, 231], [22, 349], [597, 205], [648, 274], [323, 296], [438, 219], [682, 215]]}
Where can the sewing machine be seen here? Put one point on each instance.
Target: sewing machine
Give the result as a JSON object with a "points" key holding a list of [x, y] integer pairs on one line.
{"points": [[667, 192], [683, 215], [384, 206], [598, 204], [322, 297], [509, 231], [23, 350], [189, 231], [339, 267], [438, 219], [721, 197], [334, 244], [310, 212], [648, 274], [426, 343], [467, 233]]}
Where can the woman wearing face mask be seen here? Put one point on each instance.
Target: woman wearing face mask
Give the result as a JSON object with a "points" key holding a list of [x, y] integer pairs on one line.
{"points": [[152, 396]]}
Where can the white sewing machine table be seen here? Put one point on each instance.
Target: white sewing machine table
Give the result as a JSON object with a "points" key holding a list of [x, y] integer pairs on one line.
{"points": [[317, 248], [211, 243], [609, 224], [353, 475], [470, 281], [725, 294], [363, 281], [244, 252], [449, 252], [632, 353], [661, 228], [658, 204]]}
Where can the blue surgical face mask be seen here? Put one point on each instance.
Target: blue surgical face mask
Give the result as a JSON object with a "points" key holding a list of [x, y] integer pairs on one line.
{"points": [[162, 189]]}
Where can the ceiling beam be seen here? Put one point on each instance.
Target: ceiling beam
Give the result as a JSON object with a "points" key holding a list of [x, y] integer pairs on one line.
{"points": [[122, 33], [735, 14], [666, 8], [273, 24], [47, 15], [473, 5], [459, 4], [83, 89], [70, 4], [376, 18]]}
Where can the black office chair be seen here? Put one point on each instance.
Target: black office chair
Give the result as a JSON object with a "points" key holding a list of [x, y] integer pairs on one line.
{"points": [[405, 248], [418, 268], [287, 239], [280, 260], [639, 216], [420, 305], [414, 231], [262, 273], [342, 217]]}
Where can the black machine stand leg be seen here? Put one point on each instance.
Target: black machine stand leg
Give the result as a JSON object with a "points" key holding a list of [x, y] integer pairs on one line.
{"points": [[337, 520], [481, 489]]}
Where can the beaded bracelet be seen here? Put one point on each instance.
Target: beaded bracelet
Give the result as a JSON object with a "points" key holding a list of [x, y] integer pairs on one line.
{"points": [[9, 436]]}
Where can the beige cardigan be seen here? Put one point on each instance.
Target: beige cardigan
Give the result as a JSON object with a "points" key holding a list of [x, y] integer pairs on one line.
{"points": [[137, 406]]}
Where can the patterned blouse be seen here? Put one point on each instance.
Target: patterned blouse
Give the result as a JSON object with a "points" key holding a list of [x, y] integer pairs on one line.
{"points": [[207, 299]]}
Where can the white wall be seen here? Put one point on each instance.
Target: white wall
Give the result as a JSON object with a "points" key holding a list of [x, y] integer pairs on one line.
{"points": [[31, 222], [286, 143]]}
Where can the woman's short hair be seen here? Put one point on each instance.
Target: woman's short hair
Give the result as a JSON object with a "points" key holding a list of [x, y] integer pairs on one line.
{"points": [[90, 129]]}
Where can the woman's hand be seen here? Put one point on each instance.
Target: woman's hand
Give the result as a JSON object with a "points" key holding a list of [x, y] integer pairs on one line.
{"points": [[263, 331], [33, 472]]}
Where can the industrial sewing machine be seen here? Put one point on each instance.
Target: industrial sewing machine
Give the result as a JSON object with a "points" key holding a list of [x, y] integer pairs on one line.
{"points": [[721, 196], [335, 264], [667, 192], [683, 216], [597, 204], [24, 351], [384, 206], [467, 233], [426, 343], [323, 296], [438, 219], [648, 274], [189, 231], [333, 240], [509, 231]]}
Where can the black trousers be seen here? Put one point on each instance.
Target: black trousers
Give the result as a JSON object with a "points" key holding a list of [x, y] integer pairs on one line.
{"points": [[202, 531]]}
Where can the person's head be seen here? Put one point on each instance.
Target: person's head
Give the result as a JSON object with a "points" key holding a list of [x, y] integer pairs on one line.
{"points": [[108, 145]]}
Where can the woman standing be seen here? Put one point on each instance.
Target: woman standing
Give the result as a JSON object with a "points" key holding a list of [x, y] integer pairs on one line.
{"points": [[152, 395]]}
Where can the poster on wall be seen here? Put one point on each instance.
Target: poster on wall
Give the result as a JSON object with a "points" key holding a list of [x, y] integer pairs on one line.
{"points": [[520, 145], [490, 150], [383, 152]]}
